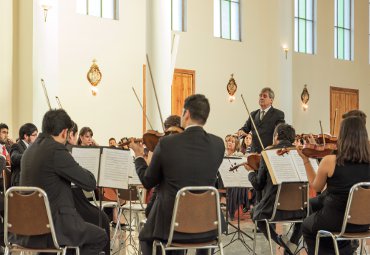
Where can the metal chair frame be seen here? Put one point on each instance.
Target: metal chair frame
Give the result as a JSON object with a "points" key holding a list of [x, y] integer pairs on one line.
{"points": [[341, 236], [305, 206], [12, 247], [169, 245]]}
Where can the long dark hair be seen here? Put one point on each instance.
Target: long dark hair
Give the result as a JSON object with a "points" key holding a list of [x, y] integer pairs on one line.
{"points": [[353, 142], [84, 131]]}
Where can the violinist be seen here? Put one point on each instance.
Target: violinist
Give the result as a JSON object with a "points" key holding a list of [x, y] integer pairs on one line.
{"points": [[338, 172], [356, 113], [85, 209], [4, 145], [246, 144], [85, 138], [191, 158], [112, 142], [284, 136], [266, 119]]}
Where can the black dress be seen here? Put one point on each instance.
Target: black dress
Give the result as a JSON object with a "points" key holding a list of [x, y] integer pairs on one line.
{"points": [[330, 216]]}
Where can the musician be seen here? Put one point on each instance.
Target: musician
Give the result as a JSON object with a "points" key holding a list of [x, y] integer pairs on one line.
{"points": [[266, 119], [85, 138], [88, 212], [357, 113], [191, 158], [338, 173], [284, 136], [245, 147], [48, 164], [112, 142], [27, 135], [4, 147]]}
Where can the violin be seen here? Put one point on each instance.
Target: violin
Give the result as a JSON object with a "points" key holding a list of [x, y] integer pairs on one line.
{"points": [[252, 163], [319, 139], [318, 150]]}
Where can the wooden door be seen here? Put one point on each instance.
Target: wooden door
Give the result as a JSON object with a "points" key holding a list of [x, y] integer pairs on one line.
{"points": [[183, 85], [342, 100]]}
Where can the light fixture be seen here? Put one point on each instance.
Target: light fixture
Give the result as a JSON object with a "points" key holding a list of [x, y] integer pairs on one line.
{"points": [[46, 5], [305, 96], [94, 77], [231, 88], [286, 49]]}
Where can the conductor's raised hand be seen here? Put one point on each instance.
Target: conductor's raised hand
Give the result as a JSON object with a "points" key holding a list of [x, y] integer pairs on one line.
{"points": [[138, 148]]}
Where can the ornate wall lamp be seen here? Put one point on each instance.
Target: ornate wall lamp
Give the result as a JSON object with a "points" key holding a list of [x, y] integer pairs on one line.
{"points": [[46, 5], [94, 77], [231, 88], [305, 96], [286, 49]]}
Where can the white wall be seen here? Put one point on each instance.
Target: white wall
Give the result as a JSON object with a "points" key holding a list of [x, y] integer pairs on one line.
{"points": [[321, 71]]}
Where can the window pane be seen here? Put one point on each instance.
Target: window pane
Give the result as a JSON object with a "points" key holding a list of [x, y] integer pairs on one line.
{"points": [[335, 13], [217, 19], [309, 43], [235, 21], [309, 9], [347, 48], [347, 14], [94, 8], [81, 7], [296, 35], [340, 43], [225, 17], [302, 36], [177, 15], [302, 8], [340, 13], [296, 8], [108, 9], [335, 42]]}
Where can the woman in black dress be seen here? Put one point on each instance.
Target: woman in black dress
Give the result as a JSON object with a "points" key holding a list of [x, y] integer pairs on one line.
{"points": [[338, 173]]}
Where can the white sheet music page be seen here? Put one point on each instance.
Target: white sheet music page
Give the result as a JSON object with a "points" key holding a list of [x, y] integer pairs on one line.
{"points": [[283, 167], [298, 162], [88, 158], [114, 168], [237, 178], [132, 175]]}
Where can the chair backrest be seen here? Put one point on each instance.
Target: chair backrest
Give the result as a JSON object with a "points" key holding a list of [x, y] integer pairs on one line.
{"points": [[6, 179], [291, 196], [358, 206], [196, 210], [130, 194], [27, 212]]}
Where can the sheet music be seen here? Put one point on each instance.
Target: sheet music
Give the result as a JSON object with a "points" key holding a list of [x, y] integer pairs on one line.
{"points": [[237, 178], [88, 158], [133, 177], [114, 168], [298, 162], [283, 167]]}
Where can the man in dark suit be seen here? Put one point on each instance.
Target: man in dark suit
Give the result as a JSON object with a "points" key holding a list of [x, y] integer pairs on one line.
{"points": [[266, 119], [27, 135], [48, 164], [191, 158]]}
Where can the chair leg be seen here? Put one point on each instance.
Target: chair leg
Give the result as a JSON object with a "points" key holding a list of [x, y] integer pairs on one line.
{"points": [[335, 243], [77, 251], [317, 243], [163, 249], [362, 246], [6, 251], [254, 238], [221, 248], [269, 236], [154, 251], [64, 252]]}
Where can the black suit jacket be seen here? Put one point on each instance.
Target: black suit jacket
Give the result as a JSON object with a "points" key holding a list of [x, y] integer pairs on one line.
{"points": [[16, 153], [191, 158], [48, 164], [265, 127]]}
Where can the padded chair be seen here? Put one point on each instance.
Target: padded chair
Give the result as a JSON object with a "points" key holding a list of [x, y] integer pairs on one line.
{"points": [[194, 213], [290, 197], [27, 213], [357, 212]]}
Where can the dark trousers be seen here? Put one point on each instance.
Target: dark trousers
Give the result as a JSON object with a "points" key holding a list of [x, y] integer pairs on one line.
{"points": [[296, 235], [147, 248]]}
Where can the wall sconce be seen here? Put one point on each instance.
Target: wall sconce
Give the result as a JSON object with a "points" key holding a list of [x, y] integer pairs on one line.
{"points": [[94, 77], [231, 88], [46, 6], [305, 96], [286, 49]]}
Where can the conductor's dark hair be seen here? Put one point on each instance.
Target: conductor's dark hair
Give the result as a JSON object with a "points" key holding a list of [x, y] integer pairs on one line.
{"points": [[198, 107], [27, 129], [55, 121], [3, 125], [285, 132]]}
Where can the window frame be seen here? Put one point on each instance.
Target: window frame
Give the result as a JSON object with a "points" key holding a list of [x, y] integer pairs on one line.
{"points": [[230, 21], [115, 11], [297, 20], [183, 16], [350, 30]]}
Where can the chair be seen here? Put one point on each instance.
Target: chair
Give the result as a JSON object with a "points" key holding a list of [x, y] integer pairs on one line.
{"points": [[290, 197], [357, 212], [6, 179], [27, 212], [194, 213]]}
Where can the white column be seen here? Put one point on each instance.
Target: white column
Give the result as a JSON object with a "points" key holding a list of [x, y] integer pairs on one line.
{"points": [[158, 47]]}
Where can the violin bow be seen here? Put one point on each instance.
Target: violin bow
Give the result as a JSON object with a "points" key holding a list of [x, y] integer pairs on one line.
{"points": [[58, 102], [254, 125], [322, 133], [46, 93], [335, 120], [142, 108], [155, 91]]}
